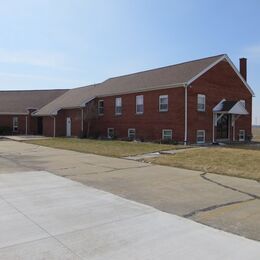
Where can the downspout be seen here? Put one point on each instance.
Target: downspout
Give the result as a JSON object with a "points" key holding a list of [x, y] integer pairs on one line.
{"points": [[82, 121], [186, 115], [26, 125], [54, 126]]}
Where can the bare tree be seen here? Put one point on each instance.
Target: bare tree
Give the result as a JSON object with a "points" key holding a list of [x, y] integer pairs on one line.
{"points": [[90, 115]]}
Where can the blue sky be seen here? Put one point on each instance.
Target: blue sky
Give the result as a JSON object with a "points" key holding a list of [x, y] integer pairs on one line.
{"points": [[64, 44]]}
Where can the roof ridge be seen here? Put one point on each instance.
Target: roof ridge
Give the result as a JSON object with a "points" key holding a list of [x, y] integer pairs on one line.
{"points": [[164, 67], [35, 90]]}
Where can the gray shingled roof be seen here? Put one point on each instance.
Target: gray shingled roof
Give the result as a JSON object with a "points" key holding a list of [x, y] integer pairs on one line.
{"points": [[175, 75], [17, 102]]}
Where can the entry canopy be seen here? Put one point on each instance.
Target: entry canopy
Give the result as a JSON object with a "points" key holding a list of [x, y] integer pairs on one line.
{"points": [[230, 107]]}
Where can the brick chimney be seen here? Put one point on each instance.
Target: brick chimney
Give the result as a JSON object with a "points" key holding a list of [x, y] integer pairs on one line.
{"points": [[243, 67]]}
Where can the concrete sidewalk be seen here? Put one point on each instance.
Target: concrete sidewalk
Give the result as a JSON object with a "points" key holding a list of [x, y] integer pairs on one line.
{"points": [[44, 216], [227, 203]]}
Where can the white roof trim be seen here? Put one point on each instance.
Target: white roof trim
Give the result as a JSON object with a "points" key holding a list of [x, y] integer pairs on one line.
{"points": [[239, 75], [231, 64], [218, 107], [238, 109], [13, 113], [206, 69]]}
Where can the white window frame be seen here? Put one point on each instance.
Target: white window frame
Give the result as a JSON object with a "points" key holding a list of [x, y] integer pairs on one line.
{"points": [[118, 105], [100, 113], [201, 96], [160, 103], [108, 132], [163, 134], [15, 123], [243, 134], [137, 103], [203, 135], [129, 130]]}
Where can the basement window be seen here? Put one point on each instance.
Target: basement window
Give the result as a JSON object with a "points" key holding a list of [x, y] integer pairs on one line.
{"points": [[200, 136], [201, 106], [118, 106], [101, 107], [242, 135], [111, 133], [139, 104], [15, 124], [131, 133], [163, 103], [167, 134]]}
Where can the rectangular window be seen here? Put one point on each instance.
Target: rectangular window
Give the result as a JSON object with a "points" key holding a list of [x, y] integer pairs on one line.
{"points": [[201, 105], [139, 104], [131, 133], [200, 136], [101, 107], [242, 135], [110, 133], [118, 104], [163, 103], [15, 124], [167, 134]]}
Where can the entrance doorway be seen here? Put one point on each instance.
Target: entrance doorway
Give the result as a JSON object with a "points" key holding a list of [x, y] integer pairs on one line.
{"points": [[39, 126], [223, 127], [68, 127]]}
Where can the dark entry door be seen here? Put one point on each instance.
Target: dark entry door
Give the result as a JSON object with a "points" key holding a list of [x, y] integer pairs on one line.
{"points": [[222, 127], [39, 125]]}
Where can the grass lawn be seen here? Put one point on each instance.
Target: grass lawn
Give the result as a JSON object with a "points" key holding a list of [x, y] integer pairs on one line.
{"points": [[108, 148], [243, 163]]}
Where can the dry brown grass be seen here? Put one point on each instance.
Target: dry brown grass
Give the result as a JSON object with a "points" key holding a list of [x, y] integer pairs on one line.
{"points": [[227, 161], [108, 148], [256, 134]]}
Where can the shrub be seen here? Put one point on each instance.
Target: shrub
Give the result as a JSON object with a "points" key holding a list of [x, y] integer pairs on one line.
{"points": [[5, 130]]}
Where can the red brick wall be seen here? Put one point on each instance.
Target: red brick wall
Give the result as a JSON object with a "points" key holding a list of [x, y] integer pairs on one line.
{"points": [[148, 125], [7, 121], [48, 126], [218, 83]]}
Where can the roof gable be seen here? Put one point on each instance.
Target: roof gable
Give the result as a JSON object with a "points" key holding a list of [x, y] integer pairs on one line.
{"points": [[161, 78], [224, 57], [18, 102]]}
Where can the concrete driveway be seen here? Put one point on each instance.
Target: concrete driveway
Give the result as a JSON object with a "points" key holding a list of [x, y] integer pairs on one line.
{"points": [[227, 203], [44, 216]]}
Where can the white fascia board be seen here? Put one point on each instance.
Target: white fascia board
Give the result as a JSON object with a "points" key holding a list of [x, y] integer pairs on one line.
{"points": [[239, 75], [206, 69], [231, 64], [238, 109], [218, 107], [83, 104]]}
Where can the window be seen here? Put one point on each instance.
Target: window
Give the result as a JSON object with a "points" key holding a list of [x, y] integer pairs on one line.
{"points": [[131, 133], [167, 134], [201, 106], [242, 135], [15, 124], [110, 133], [118, 104], [101, 107], [139, 104], [243, 102], [163, 103], [200, 136]]}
